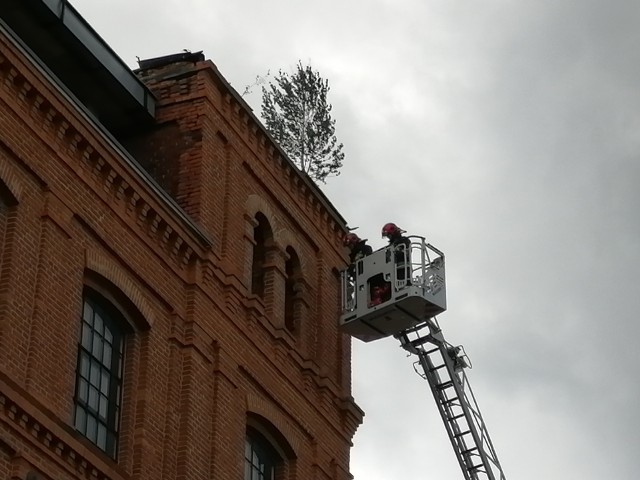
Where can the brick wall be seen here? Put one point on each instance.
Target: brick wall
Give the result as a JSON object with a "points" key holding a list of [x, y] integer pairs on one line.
{"points": [[205, 354]]}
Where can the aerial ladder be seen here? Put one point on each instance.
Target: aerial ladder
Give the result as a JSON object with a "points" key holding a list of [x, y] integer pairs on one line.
{"points": [[399, 291]]}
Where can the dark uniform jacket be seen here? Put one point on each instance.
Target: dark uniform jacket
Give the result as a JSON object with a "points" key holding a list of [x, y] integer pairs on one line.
{"points": [[360, 250], [396, 243], [402, 255]]}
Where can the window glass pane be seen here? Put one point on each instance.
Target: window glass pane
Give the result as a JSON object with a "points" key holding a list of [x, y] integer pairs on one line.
{"points": [[106, 355], [98, 325], [86, 336], [94, 379], [93, 398], [87, 313], [97, 345], [81, 418], [102, 436], [102, 410], [260, 458], [83, 390], [104, 383], [84, 365], [107, 335], [92, 427]]}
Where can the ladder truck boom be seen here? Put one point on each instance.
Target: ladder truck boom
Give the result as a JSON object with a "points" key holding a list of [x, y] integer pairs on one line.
{"points": [[398, 291]]}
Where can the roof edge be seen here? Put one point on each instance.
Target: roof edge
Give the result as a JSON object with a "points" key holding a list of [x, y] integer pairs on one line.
{"points": [[303, 176]]}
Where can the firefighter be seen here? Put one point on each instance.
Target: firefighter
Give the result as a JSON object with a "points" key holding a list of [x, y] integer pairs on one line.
{"points": [[402, 247], [394, 233], [358, 247]]}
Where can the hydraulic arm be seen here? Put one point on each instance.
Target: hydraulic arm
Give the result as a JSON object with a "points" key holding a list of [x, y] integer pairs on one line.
{"points": [[443, 366], [399, 291]]}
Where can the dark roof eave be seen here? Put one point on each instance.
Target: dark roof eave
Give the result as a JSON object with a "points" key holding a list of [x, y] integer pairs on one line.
{"points": [[197, 233], [74, 52]]}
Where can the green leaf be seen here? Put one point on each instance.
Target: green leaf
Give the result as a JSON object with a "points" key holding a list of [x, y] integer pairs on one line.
{"points": [[296, 113]]}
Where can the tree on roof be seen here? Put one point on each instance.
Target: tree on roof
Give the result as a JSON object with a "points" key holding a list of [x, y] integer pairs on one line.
{"points": [[298, 116]]}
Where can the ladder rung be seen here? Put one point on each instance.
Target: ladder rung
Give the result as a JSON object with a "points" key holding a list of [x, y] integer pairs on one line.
{"points": [[462, 433], [415, 329], [421, 341], [438, 367], [444, 385], [460, 415], [468, 451], [475, 467], [450, 400]]}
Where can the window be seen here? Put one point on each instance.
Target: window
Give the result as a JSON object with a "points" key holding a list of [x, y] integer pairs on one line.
{"points": [[268, 455], [7, 223], [99, 373], [4, 214], [260, 458], [291, 305], [262, 238]]}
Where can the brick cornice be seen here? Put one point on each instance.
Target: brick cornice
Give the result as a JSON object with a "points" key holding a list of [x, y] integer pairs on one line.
{"points": [[66, 127], [255, 136], [42, 431]]}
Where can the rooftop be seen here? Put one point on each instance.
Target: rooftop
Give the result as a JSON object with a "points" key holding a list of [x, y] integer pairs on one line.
{"points": [[71, 50]]}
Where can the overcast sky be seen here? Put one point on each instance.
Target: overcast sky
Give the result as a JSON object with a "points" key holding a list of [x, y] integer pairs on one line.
{"points": [[507, 133]]}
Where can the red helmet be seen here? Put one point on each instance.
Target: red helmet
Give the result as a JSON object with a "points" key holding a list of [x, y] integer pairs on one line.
{"points": [[350, 239], [391, 230]]}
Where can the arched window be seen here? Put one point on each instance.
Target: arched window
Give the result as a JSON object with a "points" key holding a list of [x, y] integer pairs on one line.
{"points": [[268, 455], [291, 307], [99, 373], [260, 457], [8, 226], [262, 238], [4, 214], [7, 202]]}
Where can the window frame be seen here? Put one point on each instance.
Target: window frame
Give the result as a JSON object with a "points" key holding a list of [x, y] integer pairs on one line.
{"points": [[8, 204], [293, 277], [258, 447], [262, 242], [90, 418]]}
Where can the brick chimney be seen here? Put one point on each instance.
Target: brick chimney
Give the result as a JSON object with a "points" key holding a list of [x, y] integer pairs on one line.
{"points": [[182, 151]]}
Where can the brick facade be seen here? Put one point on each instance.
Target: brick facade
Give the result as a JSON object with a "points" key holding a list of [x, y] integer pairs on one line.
{"points": [[205, 357]]}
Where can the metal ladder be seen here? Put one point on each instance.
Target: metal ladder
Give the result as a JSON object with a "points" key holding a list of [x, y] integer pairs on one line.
{"points": [[442, 365]]}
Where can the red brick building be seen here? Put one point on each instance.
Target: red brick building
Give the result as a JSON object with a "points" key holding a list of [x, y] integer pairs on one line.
{"points": [[168, 279]]}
